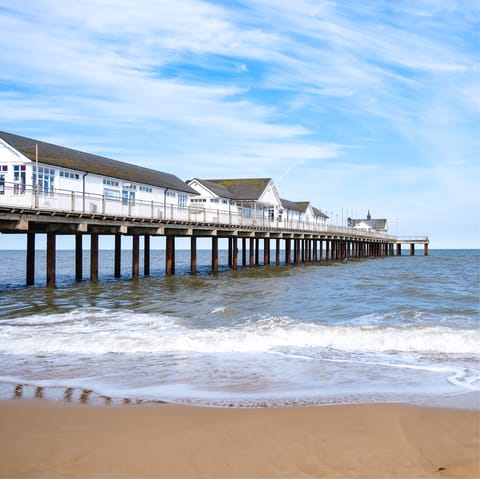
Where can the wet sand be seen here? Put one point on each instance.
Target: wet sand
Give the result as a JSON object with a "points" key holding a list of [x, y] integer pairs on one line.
{"points": [[43, 439]]}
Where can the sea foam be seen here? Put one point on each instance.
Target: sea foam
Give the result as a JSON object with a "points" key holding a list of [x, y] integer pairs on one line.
{"points": [[99, 331]]}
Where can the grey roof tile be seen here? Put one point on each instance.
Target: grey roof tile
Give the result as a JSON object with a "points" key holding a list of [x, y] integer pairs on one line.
{"points": [[63, 157]]}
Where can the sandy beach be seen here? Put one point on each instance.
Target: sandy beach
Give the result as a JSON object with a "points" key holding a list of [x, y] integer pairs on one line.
{"points": [[43, 439]]}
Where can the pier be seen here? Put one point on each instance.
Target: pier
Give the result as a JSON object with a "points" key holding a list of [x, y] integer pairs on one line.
{"points": [[412, 241], [53, 190], [293, 242]]}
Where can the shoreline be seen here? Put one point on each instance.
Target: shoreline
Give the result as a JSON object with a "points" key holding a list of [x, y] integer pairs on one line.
{"points": [[468, 399], [42, 438]]}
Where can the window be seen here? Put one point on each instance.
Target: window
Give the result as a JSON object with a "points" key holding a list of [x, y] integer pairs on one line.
{"points": [[111, 194], [69, 175], [182, 200], [108, 182], [128, 197], [3, 170], [46, 179], [171, 194], [146, 189], [19, 179], [246, 212]]}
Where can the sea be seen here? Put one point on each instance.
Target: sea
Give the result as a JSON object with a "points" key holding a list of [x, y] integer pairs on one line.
{"points": [[393, 329]]}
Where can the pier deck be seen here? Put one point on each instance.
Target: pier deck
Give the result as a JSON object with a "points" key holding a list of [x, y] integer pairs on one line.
{"points": [[67, 214]]}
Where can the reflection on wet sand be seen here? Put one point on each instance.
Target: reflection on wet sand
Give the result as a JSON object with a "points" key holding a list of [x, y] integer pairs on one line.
{"points": [[39, 392], [18, 391], [87, 396], [68, 395]]}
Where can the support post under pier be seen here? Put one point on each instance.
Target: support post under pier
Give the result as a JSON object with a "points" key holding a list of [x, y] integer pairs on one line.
{"points": [[251, 252], [234, 253], [118, 256], [146, 255], [135, 256], [215, 254], [193, 255], [170, 255], [51, 257], [30, 279], [244, 251], [78, 257], [94, 257], [288, 251]]}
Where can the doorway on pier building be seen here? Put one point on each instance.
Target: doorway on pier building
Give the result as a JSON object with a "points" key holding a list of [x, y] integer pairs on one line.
{"points": [[128, 197]]}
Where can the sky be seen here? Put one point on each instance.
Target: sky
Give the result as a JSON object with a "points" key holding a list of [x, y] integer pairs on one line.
{"points": [[354, 105]]}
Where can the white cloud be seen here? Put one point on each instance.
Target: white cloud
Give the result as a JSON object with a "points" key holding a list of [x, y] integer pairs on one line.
{"points": [[241, 67]]}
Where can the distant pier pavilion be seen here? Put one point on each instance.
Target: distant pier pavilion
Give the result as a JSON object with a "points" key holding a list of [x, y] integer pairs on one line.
{"points": [[52, 190]]}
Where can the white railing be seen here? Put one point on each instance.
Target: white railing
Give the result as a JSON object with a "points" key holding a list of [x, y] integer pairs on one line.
{"points": [[412, 239], [99, 205]]}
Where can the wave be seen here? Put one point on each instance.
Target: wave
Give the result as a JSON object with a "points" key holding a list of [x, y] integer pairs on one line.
{"points": [[102, 331]]}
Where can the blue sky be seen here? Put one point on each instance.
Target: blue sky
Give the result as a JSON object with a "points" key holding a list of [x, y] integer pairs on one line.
{"points": [[351, 104]]}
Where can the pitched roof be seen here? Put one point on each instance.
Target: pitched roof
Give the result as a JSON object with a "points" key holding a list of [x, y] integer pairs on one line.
{"points": [[301, 206], [320, 213], [216, 188], [63, 157], [291, 205], [247, 189]]}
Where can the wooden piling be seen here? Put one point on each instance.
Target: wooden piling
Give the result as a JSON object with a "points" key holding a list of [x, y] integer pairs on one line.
{"points": [[51, 259], [118, 256], [170, 255], [266, 251], [94, 257], [193, 255], [288, 251], [135, 255], [234, 253], [296, 253], [146, 255], [230, 252], [252, 252], [30, 266], [244, 251], [215, 254], [78, 257]]}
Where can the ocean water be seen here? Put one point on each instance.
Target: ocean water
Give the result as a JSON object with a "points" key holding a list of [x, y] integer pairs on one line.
{"points": [[386, 329]]}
